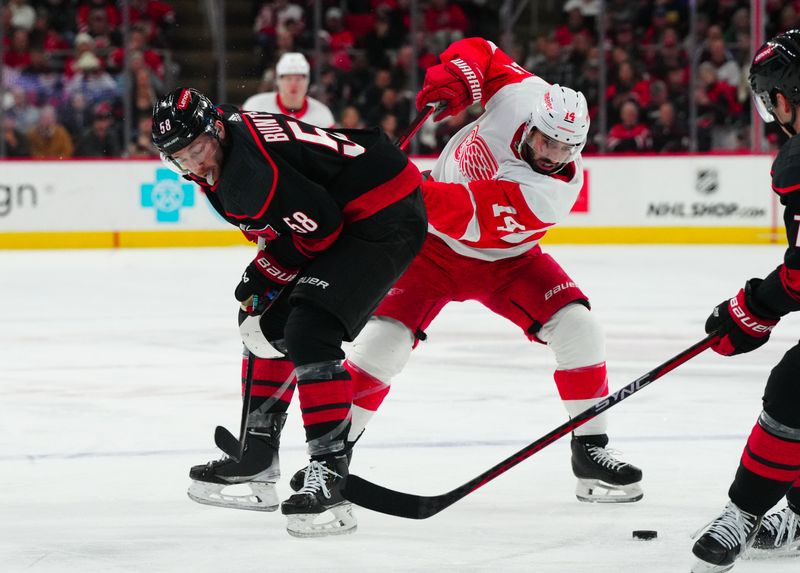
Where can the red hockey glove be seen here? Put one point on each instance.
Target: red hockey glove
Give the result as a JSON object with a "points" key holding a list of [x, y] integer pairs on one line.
{"points": [[743, 326], [457, 82], [264, 278]]}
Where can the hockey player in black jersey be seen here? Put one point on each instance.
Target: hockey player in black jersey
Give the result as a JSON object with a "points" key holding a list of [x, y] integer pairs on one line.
{"points": [[342, 217], [770, 465]]}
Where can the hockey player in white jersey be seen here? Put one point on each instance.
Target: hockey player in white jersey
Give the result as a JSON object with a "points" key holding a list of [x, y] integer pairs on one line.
{"points": [[500, 184], [292, 71]]}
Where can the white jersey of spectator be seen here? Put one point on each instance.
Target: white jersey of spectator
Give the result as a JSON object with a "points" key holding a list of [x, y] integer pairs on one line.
{"points": [[292, 72]]}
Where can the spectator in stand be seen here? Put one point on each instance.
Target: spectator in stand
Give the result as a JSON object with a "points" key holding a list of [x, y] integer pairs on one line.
{"points": [[49, 139], [629, 135], [91, 79], [577, 56], [393, 104], [370, 98], [77, 114], [40, 79], [339, 38], [45, 36], [588, 8], [83, 43], [111, 14], [625, 39], [17, 55], [292, 71], [668, 54], [156, 18], [350, 118], [727, 69], [627, 86], [575, 25], [137, 42], [26, 113], [23, 16], [725, 107], [667, 133], [677, 82], [101, 29], [142, 144], [16, 142], [451, 125], [445, 16], [61, 15], [145, 86], [658, 96], [389, 125], [547, 61], [102, 138], [377, 41]]}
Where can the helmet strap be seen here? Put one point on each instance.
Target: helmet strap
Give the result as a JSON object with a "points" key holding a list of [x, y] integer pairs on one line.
{"points": [[789, 125]]}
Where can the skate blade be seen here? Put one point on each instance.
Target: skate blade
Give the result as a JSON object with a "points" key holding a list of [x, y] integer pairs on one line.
{"points": [[336, 520], [701, 566], [597, 491], [791, 550], [261, 497]]}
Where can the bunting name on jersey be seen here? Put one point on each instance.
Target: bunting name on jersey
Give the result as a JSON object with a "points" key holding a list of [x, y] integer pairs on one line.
{"points": [[268, 127]]}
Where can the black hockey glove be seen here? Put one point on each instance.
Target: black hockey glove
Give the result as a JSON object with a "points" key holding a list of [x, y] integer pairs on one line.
{"points": [[262, 282], [743, 324]]}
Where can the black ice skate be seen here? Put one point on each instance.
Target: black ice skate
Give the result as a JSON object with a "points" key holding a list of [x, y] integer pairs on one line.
{"points": [[299, 477], [318, 508], [779, 535], [259, 470], [724, 540], [601, 477]]}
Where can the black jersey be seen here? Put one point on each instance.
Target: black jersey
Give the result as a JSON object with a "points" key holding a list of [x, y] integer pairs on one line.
{"points": [[298, 185], [780, 290]]}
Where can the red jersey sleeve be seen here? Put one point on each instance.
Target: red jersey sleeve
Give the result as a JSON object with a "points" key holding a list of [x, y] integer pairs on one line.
{"points": [[489, 213], [498, 68]]}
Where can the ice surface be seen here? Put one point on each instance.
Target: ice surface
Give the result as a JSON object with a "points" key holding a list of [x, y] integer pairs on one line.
{"points": [[115, 366]]}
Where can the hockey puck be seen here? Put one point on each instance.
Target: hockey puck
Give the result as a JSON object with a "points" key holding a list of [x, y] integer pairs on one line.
{"points": [[645, 534]]}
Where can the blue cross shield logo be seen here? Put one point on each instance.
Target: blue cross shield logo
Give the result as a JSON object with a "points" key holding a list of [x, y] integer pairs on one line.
{"points": [[167, 195]]}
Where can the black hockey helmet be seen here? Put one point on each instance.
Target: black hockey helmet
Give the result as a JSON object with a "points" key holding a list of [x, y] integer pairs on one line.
{"points": [[180, 117], [776, 68]]}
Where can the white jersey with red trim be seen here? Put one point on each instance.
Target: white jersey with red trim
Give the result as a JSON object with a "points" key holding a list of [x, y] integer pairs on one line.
{"points": [[313, 111], [499, 206]]}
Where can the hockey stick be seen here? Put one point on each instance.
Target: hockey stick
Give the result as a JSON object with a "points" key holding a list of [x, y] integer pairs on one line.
{"points": [[223, 437], [392, 502], [421, 118]]}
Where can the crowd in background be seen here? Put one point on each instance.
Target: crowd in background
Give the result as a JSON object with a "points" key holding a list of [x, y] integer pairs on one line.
{"points": [[64, 78]]}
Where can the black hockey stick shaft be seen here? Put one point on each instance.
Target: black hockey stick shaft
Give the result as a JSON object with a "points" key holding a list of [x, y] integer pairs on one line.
{"points": [[223, 438], [421, 118], [378, 498]]}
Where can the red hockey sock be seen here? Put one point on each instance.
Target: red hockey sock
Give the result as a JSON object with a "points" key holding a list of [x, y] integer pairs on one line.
{"points": [[582, 383], [771, 457], [273, 378], [368, 391], [325, 404]]}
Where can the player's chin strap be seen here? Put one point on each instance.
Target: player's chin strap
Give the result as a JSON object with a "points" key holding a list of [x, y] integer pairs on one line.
{"points": [[789, 125]]}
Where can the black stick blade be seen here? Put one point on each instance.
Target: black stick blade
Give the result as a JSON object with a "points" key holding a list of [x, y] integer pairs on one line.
{"points": [[228, 443], [378, 498]]}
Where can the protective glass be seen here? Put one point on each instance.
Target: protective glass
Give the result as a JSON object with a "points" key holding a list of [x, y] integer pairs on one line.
{"points": [[193, 154], [764, 106]]}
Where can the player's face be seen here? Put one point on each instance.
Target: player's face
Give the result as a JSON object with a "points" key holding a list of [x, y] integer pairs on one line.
{"points": [[548, 154], [202, 157], [294, 85]]}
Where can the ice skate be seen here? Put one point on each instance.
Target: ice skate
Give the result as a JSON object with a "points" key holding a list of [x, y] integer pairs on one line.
{"points": [[299, 477], [724, 540], [249, 484], [779, 535], [318, 508], [601, 477]]}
